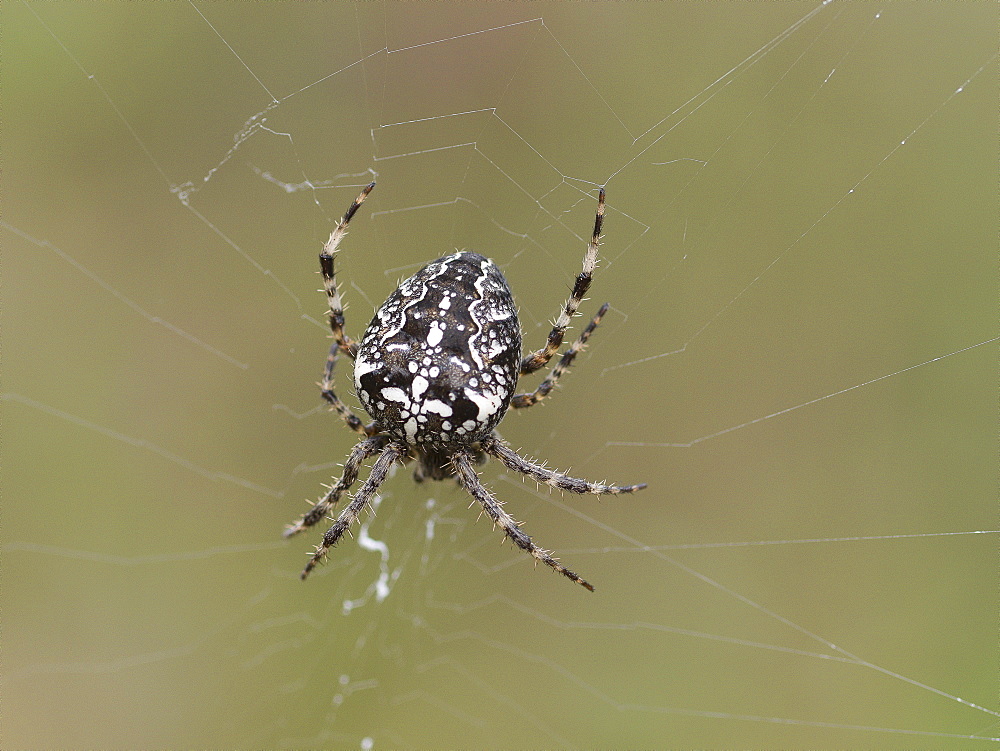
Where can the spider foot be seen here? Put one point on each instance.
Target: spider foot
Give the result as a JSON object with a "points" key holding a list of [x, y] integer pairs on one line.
{"points": [[556, 566], [317, 558], [309, 567]]}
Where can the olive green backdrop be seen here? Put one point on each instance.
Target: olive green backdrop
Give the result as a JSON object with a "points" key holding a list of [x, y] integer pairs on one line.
{"points": [[800, 360]]}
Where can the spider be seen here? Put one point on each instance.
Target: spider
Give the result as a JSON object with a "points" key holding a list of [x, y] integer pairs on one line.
{"points": [[437, 370]]}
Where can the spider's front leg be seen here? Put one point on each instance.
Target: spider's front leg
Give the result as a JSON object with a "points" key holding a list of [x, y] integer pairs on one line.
{"points": [[462, 461], [391, 453], [494, 446], [341, 341], [361, 451]]}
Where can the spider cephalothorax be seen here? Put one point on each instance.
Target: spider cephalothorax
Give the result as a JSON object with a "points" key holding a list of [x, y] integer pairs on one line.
{"points": [[437, 370]]}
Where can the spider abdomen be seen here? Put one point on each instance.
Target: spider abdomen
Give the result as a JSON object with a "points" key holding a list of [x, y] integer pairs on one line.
{"points": [[439, 361]]}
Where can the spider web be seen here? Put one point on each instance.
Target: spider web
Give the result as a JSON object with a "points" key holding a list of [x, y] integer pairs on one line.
{"points": [[799, 360]]}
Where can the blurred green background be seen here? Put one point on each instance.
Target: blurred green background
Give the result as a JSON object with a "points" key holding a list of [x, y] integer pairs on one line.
{"points": [[783, 271]]}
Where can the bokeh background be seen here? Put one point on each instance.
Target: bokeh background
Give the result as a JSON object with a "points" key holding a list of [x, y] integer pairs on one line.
{"points": [[800, 361]]}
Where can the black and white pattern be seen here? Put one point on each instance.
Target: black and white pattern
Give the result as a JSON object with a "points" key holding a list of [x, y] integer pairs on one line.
{"points": [[438, 363], [437, 370]]}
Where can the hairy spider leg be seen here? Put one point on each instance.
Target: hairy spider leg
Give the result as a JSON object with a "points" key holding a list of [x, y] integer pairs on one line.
{"points": [[540, 358], [336, 314], [361, 451], [341, 341], [512, 460], [354, 422], [380, 470], [545, 387], [462, 461]]}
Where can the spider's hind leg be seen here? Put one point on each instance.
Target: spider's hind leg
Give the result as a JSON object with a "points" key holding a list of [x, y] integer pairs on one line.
{"points": [[341, 341], [336, 313], [532, 398], [354, 422], [540, 358]]}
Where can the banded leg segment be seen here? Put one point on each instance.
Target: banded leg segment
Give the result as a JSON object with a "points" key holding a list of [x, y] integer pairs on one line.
{"points": [[354, 422], [545, 387], [540, 358], [390, 454], [512, 460], [362, 450], [344, 342], [467, 476]]}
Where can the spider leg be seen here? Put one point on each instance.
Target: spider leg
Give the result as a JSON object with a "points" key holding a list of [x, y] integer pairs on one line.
{"points": [[530, 399], [390, 453], [361, 451], [540, 358], [495, 447], [463, 463], [336, 314], [354, 422]]}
